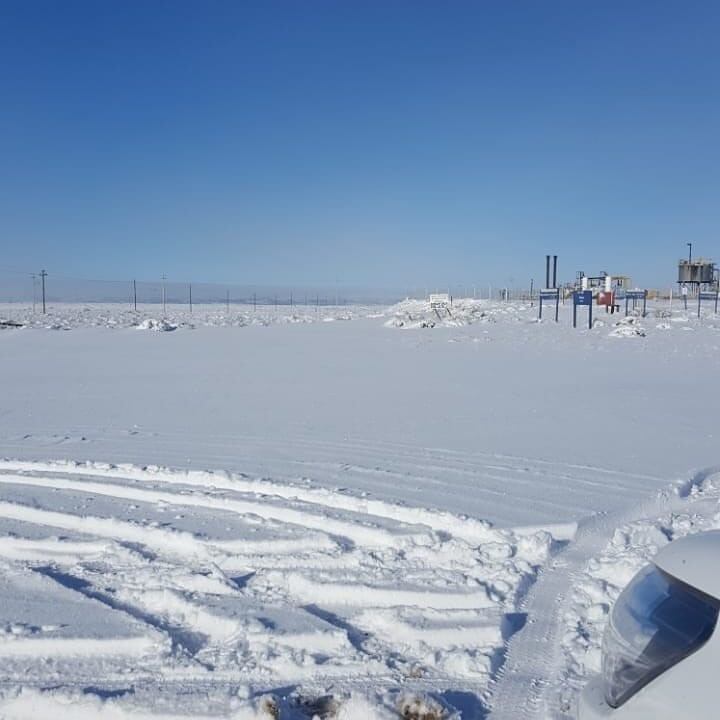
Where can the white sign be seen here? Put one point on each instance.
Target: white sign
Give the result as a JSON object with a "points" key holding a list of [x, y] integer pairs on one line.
{"points": [[439, 300]]}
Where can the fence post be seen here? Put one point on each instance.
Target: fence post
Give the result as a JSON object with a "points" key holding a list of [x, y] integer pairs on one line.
{"points": [[43, 275]]}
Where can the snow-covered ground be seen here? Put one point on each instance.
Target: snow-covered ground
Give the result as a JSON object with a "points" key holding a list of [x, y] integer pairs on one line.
{"points": [[266, 514], [67, 316]]}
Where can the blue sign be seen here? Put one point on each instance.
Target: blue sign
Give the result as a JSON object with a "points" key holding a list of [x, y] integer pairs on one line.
{"points": [[706, 295], [636, 294], [549, 294], [583, 298]]}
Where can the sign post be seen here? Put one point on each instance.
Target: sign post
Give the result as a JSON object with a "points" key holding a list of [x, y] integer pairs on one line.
{"points": [[583, 298], [708, 295], [549, 294], [636, 295]]}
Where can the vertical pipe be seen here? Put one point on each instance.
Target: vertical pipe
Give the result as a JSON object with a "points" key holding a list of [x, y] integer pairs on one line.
{"points": [[547, 271], [554, 271]]}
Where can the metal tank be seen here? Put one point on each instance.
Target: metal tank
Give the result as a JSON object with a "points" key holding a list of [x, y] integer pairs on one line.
{"points": [[696, 271]]}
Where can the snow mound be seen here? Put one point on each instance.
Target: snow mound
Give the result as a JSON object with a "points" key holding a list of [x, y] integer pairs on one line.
{"points": [[416, 314], [628, 327], [161, 325]]}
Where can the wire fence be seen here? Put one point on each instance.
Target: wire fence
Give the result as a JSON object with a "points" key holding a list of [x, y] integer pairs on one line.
{"points": [[32, 288]]}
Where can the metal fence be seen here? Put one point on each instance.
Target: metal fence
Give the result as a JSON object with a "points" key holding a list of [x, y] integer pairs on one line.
{"points": [[29, 288]]}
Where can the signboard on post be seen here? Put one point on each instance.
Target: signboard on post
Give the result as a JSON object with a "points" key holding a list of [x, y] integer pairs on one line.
{"points": [[438, 301], [583, 298], [549, 295], [711, 295], [636, 295]]}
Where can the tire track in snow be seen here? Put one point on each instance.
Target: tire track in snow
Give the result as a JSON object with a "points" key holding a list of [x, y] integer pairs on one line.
{"points": [[431, 568], [583, 494], [359, 532]]}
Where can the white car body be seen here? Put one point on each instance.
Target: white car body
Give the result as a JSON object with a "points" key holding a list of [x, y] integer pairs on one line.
{"points": [[687, 690]]}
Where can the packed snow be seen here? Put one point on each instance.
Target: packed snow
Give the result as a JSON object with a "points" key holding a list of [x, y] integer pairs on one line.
{"points": [[419, 513]]}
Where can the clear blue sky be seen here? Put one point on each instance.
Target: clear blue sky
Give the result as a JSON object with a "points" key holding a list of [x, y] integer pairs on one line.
{"points": [[384, 143]]}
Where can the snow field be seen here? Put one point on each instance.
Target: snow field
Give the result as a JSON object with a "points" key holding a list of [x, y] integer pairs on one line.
{"points": [[405, 523]]}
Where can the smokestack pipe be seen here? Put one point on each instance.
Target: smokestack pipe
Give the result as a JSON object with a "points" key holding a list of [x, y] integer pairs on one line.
{"points": [[547, 271], [554, 271]]}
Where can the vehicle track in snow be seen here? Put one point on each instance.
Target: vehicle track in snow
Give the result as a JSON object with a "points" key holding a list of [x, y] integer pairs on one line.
{"points": [[344, 585], [287, 583]]}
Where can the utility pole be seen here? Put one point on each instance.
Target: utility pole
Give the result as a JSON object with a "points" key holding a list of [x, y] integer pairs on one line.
{"points": [[164, 278], [43, 275]]}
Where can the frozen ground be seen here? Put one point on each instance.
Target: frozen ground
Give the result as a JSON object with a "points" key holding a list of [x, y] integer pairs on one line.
{"points": [[415, 513]]}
